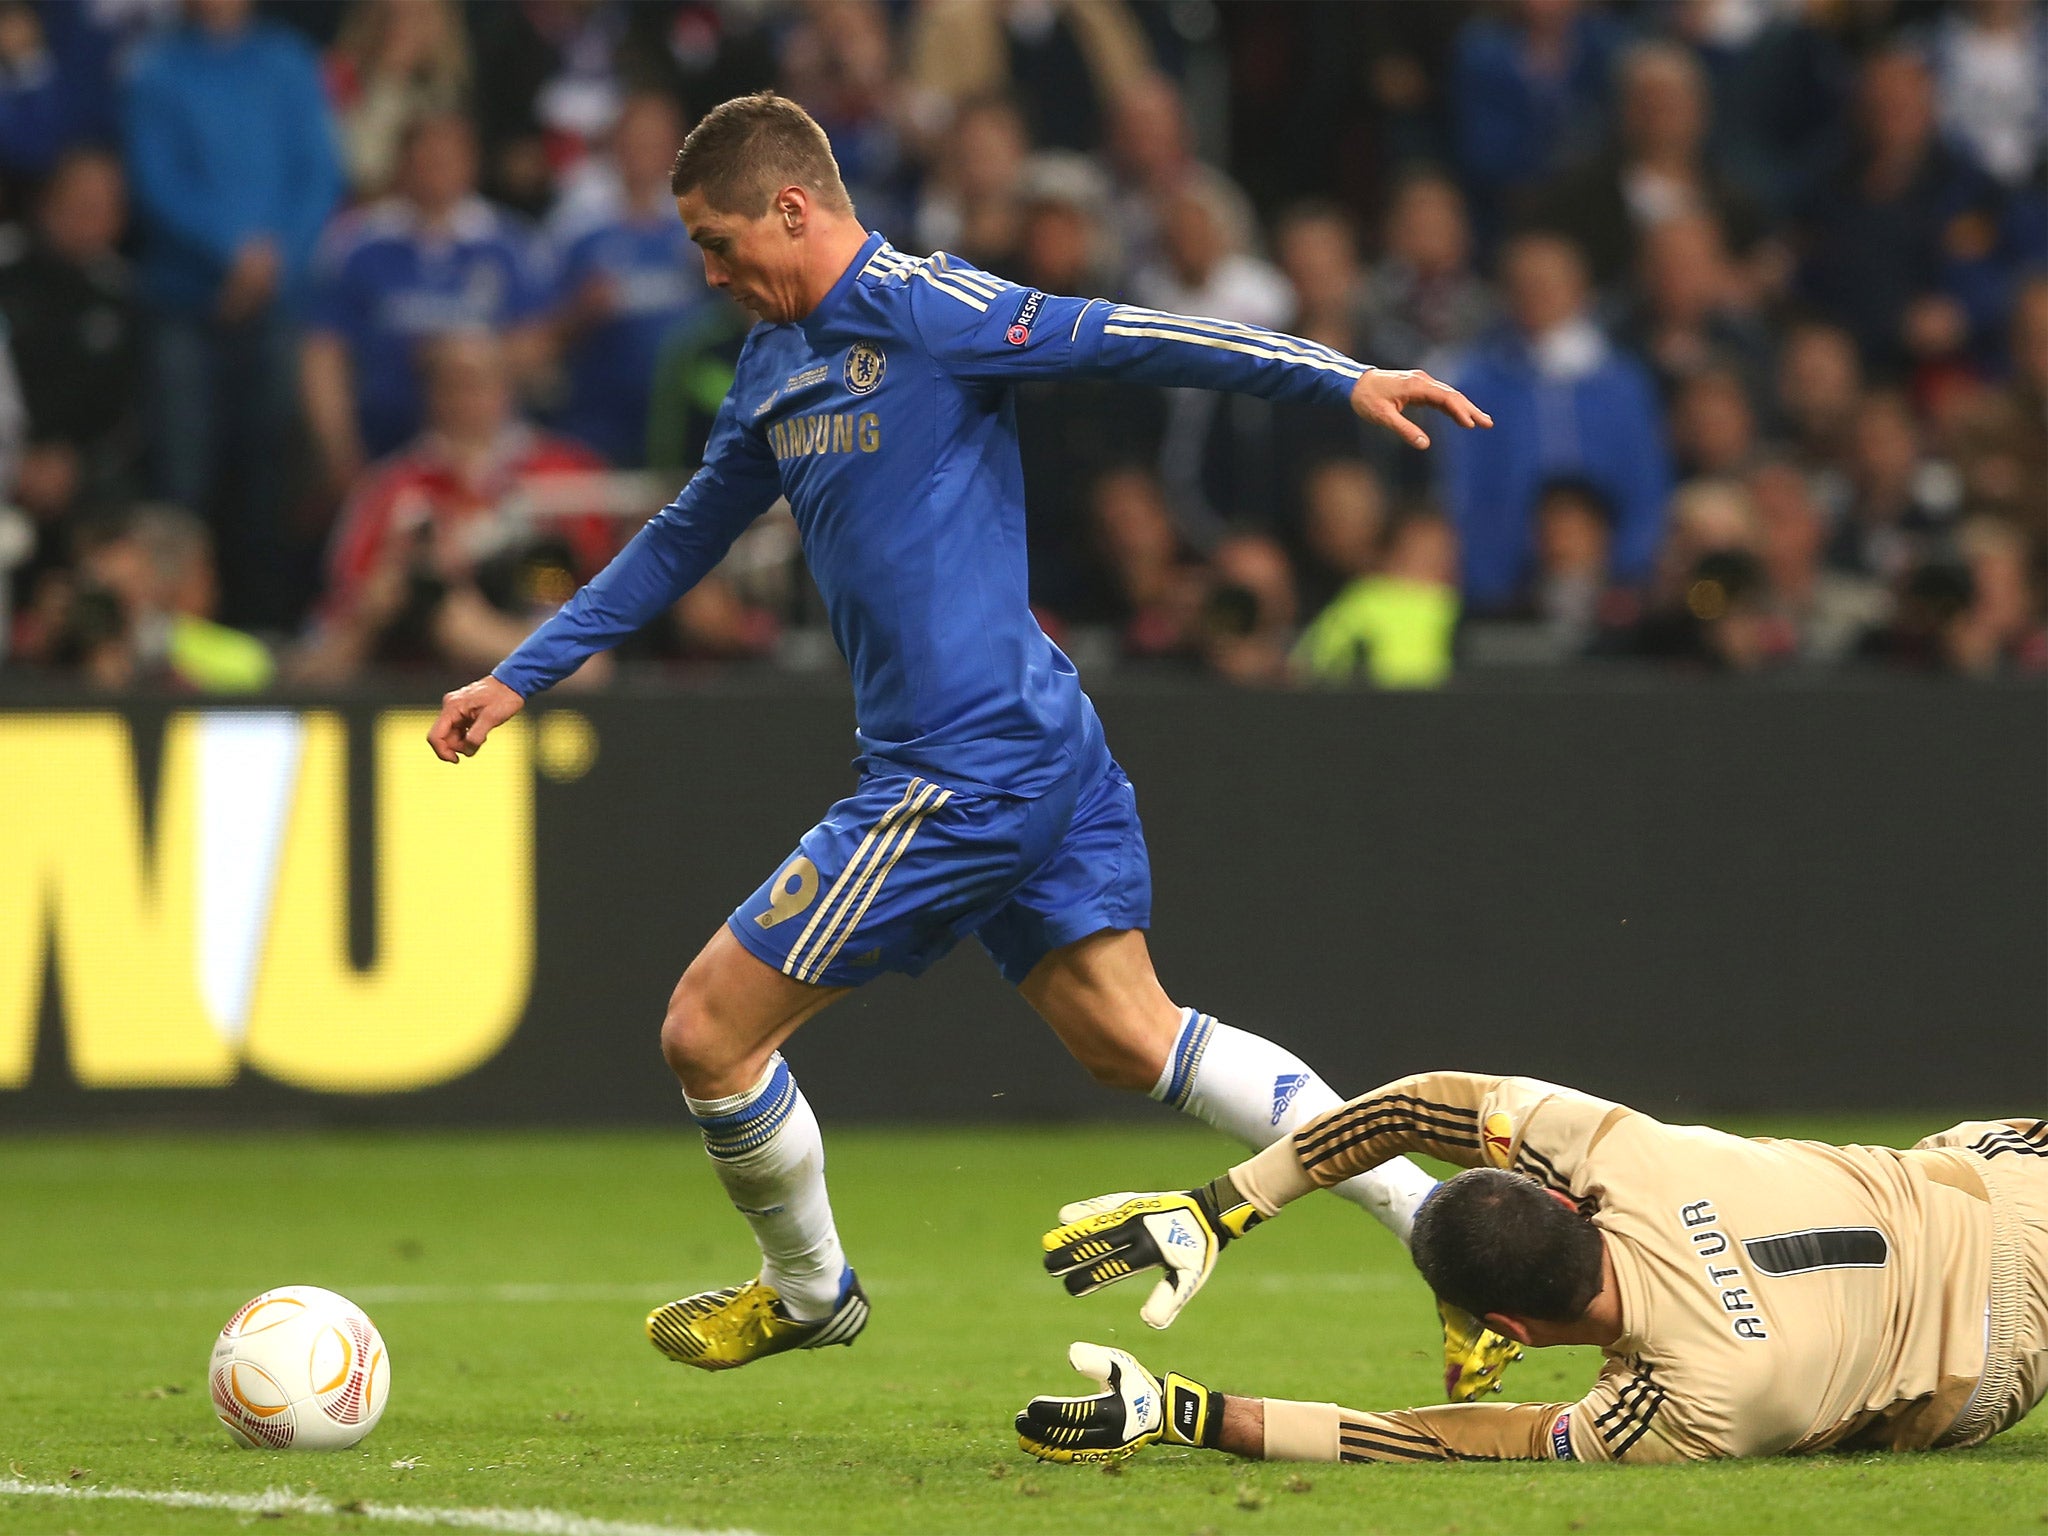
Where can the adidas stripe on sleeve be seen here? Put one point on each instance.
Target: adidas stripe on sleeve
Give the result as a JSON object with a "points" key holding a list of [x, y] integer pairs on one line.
{"points": [[1994, 1138], [1467, 1119], [986, 330]]}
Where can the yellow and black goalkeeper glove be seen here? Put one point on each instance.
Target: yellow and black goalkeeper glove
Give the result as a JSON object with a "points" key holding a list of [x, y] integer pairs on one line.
{"points": [[1110, 1237], [1134, 1409]]}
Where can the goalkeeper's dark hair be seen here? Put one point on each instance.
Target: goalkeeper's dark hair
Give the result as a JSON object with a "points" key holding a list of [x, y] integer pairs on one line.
{"points": [[1493, 1241]]}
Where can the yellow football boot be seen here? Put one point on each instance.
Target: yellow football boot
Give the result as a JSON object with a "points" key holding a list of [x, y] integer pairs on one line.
{"points": [[1475, 1357], [723, 1330]]}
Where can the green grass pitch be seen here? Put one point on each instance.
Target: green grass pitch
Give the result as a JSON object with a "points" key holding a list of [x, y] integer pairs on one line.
{"points": [[509, 1275]]}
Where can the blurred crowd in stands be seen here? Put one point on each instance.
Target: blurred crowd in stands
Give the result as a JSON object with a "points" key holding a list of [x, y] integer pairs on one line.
{"points": [[324, 320]]}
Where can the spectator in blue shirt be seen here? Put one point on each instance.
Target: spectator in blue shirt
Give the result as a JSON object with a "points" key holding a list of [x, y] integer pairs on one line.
{"points": [[435, 258], [1528, 95], [233, 165], [1566, 402], [628, 275]]}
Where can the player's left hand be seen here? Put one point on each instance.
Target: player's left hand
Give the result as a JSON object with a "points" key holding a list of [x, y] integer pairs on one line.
{"points": [[1134, 1409], [1112, 1237], [1381, 394]]}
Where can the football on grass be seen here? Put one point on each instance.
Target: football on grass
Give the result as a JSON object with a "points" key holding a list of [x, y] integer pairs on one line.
{"points": [[299, 1369]]}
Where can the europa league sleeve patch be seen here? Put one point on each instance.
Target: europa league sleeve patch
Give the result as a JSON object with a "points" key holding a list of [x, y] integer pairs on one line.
{"points": [[1497, 1139], [1027, 312]]}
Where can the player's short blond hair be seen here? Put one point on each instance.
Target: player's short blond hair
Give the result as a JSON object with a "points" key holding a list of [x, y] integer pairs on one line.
{"points": [[742, 152]]}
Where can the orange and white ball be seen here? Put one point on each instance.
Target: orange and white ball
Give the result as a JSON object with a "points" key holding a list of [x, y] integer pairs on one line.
{"points": [[300, 1369]]}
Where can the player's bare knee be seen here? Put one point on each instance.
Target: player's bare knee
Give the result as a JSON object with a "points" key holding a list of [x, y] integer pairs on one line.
{"points": [[699, 1053], [679, 1040]]}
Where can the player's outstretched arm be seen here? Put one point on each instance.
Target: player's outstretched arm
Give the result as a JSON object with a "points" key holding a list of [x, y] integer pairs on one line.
{"points": [[679, 545], [1135, 1408], [1468, 1119], [988, 331], [1111, 1237], [1465, 1118]]}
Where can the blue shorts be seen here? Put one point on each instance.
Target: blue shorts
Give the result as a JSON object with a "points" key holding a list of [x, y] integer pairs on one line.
{"points": [[898, 873]]}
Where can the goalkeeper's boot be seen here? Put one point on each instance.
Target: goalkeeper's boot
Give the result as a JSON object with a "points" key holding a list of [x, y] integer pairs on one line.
{"points": [[1475, 1357], [723, 1330]]}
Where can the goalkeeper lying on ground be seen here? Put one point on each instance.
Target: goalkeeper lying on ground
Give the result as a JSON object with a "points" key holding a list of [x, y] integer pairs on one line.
{"points": [[1752, 1297]]}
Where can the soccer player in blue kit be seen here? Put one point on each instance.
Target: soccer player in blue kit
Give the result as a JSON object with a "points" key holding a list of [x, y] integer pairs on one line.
{"points": [[875, 395]]}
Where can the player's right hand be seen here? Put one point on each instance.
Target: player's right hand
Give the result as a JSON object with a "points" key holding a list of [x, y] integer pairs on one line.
{"points": [[1134, 1409], [1111, 1237], [470, 714]]}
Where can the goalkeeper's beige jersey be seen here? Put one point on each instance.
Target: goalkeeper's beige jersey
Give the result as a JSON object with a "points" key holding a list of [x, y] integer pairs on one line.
{"points": [[1776, 1296]]}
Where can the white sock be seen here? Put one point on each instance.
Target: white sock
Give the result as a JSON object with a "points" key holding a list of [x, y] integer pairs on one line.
{"points": [[1257, 1091], [771, 1159]]}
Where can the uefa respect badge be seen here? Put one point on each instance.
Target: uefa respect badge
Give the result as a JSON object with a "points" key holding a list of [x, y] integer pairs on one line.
{"points": [[1020, 325]]}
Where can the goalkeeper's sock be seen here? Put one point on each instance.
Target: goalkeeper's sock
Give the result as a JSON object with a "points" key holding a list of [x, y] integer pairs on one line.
{"points": [[1257, 1091], [771, 1159]]}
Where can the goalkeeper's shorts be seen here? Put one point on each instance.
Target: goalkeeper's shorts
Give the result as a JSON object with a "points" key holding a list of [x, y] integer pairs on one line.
{"points": [[902, 870]]}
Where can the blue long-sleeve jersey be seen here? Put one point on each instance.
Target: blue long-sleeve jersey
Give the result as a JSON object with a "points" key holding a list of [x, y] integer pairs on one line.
{"points": [[228, 138], [887, 420]]}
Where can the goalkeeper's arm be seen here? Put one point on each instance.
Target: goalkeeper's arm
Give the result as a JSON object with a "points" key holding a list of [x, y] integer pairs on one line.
{"points": [[1135, 1409], [1112, 1237], [1469, 1119], [1275, 1429]]}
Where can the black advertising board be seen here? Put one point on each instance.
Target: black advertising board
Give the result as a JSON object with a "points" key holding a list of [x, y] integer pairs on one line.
{"points": [[1696, 899]]}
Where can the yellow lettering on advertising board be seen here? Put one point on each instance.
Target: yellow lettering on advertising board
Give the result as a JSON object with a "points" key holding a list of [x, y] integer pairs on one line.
{"points": [[222, 937], [454, 949], [74, 870]]}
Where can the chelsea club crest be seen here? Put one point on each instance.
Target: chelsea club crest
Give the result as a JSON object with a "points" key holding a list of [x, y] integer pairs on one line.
{"points": [[864, 365]]}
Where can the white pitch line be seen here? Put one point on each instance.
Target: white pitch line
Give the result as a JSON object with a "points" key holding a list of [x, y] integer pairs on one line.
{"points": [[365, 1296], [281, 1501]]}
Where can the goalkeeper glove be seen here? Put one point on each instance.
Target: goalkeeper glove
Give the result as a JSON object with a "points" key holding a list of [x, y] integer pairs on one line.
{"points": [[1135, 1409], [1103, 1240]]}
